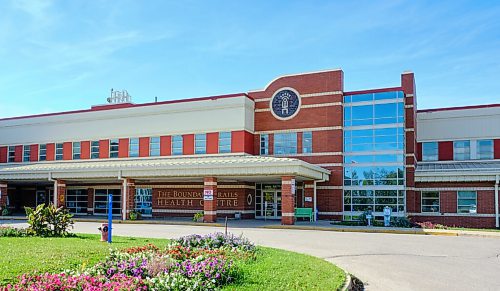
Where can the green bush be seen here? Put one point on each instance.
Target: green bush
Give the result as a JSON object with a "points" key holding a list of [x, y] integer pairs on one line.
{"points": [[401, 222], [49, 221], [7, 231], [5, 210]]}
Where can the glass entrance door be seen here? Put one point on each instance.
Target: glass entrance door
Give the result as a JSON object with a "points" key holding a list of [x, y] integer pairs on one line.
{"points": [[269, 206]]}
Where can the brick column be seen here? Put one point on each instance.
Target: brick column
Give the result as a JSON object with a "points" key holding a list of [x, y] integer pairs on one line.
{"points": [[60, 193], [3, 197], [210, 206], [130, 203], [309, 194], [90, 201], [287, 200]]}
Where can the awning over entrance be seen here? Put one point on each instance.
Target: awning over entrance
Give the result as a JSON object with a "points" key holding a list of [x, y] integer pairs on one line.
{"points": [[241, 166]]}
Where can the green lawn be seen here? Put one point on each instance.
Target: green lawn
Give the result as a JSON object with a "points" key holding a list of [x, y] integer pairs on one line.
{"points": [[272, 270]]}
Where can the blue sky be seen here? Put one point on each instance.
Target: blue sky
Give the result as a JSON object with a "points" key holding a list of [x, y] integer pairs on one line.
{"points": [[63, 55]]}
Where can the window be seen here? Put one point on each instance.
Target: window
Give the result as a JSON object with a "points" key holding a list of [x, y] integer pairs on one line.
{"points": [[467, 202], [12, 154], [285, 143], [77, 150], [154, 146], [461, 150], [224, 142], [177, 145], [200, 143], [77, 201], [133, 147], [484, 149], [375, 200], [264, 144], [59, 151], [378, 139], [430, 151], [373, 114], [94, 149], [307, 142], [113, 148], [42, 154], [430, 201], [26, 153]]}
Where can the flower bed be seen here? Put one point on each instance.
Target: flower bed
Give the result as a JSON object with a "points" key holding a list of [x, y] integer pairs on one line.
{"points": [[188, 263]]}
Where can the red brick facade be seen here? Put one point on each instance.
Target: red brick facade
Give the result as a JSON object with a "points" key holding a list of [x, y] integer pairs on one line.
{"points": [[321, 112]]}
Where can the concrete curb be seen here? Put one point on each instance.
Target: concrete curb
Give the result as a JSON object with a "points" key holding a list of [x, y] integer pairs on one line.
{"points": [[390, 231], [151, 222], [347, 283]]}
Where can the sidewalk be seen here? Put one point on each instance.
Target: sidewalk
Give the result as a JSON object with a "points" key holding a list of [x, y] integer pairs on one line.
{"points": [[321, 225]]}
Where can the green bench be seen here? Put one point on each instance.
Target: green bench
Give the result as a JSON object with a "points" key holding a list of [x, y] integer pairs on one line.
{"points": [[304, 212]]}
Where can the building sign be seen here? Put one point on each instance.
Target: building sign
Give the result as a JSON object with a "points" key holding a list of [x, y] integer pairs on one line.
{"points": [[292, 182], [208, 195], [308, 199], [285, 103], [194, 198]]}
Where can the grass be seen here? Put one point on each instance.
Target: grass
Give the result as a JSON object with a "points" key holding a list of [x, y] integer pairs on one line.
{"points": [[272, 270], [283, 270], [474, 229], [35, 254]]}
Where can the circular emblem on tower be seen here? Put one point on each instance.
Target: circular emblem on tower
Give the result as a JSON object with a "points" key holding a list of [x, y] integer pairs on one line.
{"points": [[285, 103]]}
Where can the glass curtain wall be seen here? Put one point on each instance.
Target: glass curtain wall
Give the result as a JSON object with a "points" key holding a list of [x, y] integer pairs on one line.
{"points": [[374, 173]]}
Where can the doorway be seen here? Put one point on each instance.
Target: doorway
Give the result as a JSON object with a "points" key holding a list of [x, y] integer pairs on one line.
{"points": [[268, 202]]}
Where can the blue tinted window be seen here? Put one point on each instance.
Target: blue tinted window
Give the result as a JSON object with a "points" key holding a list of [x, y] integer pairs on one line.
{"points": [[386, 110], [307, 141], [362, 97], [177, 145], [362, 112], [430, 151], [386, 95], [285, 143], [200, 143]]}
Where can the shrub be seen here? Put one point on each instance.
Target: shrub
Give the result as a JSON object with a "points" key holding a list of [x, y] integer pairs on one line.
{"points": [[7, 231], [49, 221], [197, 216], [401, 222], [215, 241], [5, 211]]}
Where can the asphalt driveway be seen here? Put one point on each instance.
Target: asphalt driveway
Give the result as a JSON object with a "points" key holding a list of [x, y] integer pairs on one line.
{"points": [[381, 261]]}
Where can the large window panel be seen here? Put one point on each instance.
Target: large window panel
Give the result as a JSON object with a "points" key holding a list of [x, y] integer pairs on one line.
{"points": [[467, 202], [59, 151], [484, 149], [200, 143], [42, 152], [461, 150], [177, 145], [225, 142], [430, 201], [154, 146], [285, 143], [430, 151], [77, 150], [26, 153], [94, 149], [133, 147], [113, 148]]}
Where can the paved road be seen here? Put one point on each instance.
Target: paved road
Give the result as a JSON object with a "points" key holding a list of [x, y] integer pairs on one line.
{"points": [[382, 261]]}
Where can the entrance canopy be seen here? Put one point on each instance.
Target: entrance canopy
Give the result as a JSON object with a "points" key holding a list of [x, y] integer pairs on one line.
{"points": [[232, 167]]}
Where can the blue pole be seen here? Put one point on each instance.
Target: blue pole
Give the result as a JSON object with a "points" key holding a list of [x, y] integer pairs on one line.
{"points": [[110, 216]]}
